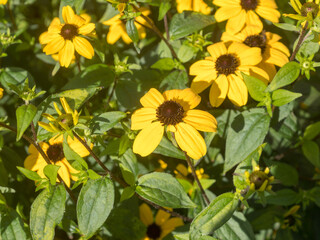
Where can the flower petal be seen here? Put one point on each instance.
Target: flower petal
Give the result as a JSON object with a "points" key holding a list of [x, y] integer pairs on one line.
{"points": [[238, 92], [70, 169], [146, 215], [170, 225], [68, 14], [114, 34], [83, 47], [202, 66], [253, 19], [152, 99], [235, 24], [47, 37], [268, 13], [54, 46], [276, 57], [66, 54], [251, 56], [201, 120], [78, 147], [202, 81], [64, 172], [161, 217], [217, 49], [148, 139], [190, 140], [218, 91], [225, 13], [142, 118], [187, 98], [86, 29]]}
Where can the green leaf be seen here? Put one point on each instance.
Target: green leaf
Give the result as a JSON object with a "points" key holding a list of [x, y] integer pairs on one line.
{"points": [[51, 171], [287, 26], [132, 30], [129, 163], [78, 4], [72, 155], [183, 24], [237, 228], [213, 216], [312, 131], [186, 53], [310, 150], [255, 87], [164, 64], [100, 124], [125, 143], [11, 226], [46, 212], [284, 197], [177, 79], [246, 133], [166, 148], [164, 8], [281, 97], [164, 190], [314, 195], [29, 174], [94, 204], [25, 115], [127, 193], [287, 174], [14, 76], [286, 75]]}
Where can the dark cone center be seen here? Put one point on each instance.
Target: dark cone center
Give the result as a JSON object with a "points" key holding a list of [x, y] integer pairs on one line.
{"points": [[227, 64], [55, 152], [259, 41], [291, 220], [249, 4], [69, 31], [310, 7], [170, 113], [153, 231], [258, 178]]}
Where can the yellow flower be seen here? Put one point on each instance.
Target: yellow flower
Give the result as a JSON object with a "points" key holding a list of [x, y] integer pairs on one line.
{"points": [[162, 166], [307, 11], [258, 180], [117, 28], [65, 38], [193, 5], [64, 122], [273, 52], [241, 12], [184, 173], [222, 70], [159, 227], [173, 109], [291, 219], [3, 2], [54, 151], [1, 93]]}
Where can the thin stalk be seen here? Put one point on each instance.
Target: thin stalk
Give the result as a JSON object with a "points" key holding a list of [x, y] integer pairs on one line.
{"points": [[112, 91], [165, 20], [43, 154], [300, 41], [124, 184]]}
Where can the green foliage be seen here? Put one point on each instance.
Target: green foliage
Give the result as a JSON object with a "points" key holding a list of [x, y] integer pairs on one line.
{"points": [[25, 115]]}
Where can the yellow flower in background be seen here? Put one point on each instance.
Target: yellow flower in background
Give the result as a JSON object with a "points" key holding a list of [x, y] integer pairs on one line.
{"points": [[3, 2], [222, 70], [291, 219], [273, 52], [174, 110], [183, 172], [64, 122], [259, 180], [54, 151], [1, 93], [193, 5], [159, 227], [66, 38], [241, 12], [118, 30], [307, 11]]}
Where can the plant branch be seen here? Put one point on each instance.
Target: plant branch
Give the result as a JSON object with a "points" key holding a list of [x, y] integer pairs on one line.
{"points": [[124, 184], [165, 20], [112, 91], [300, 41], [43, 154]]}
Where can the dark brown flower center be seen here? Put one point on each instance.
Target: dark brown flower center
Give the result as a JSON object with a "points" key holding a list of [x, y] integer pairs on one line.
{"points": [[69, 31], [259, 41], [310, 7], [55, 152], [227, 64], [170, 113], [249, 4], [291, 220], [154, 231], [258, 178]]}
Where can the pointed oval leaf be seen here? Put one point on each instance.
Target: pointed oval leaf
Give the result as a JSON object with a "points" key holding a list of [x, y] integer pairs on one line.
{"points": [[46, 212], [281, 97], [94, 205], [312, 131], [11, 226], [164, 190], [255, 87], [25, 115], [311, 151]]}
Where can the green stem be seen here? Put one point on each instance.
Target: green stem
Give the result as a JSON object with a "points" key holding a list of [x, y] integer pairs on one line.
{"points": [[300, 41]]}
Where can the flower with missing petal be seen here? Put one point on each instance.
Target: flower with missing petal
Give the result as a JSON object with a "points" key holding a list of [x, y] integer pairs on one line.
{"points": [[273, 52], [173, 111], [68, 37], [291, 219], [259, 180], [222, 70], [193, 5], [118, 30], [54, 151], [241, 12], [159, 227]]}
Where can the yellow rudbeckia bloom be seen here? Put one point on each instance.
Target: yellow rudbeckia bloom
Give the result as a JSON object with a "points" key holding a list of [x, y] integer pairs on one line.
{"points": [[291, 219], [159, 227], [183, 172], [3, 2], [222, 70], [273, 52], [118, 30], [193, 5], [241, 12], [54, 151], [173, 109], [66, 38]]}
